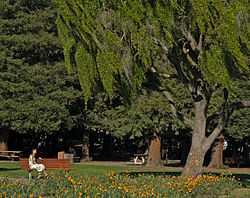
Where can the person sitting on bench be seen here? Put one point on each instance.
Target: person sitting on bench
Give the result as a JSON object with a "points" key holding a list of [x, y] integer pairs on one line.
{"points": [[34, 165]]}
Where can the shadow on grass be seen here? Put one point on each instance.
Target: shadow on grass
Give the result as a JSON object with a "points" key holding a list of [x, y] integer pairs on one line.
{"points": [[9, 169], [244, 179], [149, 173]]}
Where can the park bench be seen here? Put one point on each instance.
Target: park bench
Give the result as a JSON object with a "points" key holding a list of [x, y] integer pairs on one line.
{"points": [[12, 155], [49, 163]]}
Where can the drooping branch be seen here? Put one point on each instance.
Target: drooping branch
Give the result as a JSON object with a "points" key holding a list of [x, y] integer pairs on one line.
{"points": [[171, 102], [174, 110]]}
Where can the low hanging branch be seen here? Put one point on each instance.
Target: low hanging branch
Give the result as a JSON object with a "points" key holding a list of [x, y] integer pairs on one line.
{"points": [[174, 110]]}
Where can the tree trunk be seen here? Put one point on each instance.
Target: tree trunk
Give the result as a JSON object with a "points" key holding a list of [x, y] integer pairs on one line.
{"points": [[217, 153], [194, 163], [200, 143], [154, 152], [85, 148], [4, 134], [195, 160]]}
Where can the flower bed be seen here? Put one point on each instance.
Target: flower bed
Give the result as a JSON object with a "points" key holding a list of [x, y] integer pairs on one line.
{"points": [[117, 185]]}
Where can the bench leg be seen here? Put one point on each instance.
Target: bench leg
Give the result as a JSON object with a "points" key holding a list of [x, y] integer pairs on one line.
{"points": [[143, 160], [30, 176], [135, 160]]}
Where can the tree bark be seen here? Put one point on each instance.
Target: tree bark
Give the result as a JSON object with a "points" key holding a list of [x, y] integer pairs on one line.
{"points": [[217, 153], [200, 143], [4, 134], [154, 152], [194, 163], [85, 148], [195, 160]]}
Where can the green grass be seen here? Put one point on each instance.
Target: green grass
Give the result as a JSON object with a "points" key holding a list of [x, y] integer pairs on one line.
{"points": [[12, 170]]}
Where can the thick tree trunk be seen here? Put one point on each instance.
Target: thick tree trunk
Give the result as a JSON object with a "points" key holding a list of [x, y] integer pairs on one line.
{"points": [[154, 152], [4, 134], [195, 160], [217, 153], [194, 163]]}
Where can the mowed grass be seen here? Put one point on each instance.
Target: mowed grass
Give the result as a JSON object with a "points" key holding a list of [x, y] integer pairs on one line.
{"points": [[13, 170]]}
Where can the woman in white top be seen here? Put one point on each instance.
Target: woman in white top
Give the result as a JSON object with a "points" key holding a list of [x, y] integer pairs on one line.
{"points": [[33, 165]]}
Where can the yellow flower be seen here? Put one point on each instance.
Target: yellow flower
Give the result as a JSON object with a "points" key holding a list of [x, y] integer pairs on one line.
{"points": [[80, 194]]}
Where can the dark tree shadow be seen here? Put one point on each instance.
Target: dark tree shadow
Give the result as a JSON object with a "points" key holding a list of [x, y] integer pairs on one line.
{"points": [[244, 179], [9, 169], [149, 173]]}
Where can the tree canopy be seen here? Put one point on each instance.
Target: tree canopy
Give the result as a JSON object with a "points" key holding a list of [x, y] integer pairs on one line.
{"points": [[112, 40], [202, 45], [36, 94]]}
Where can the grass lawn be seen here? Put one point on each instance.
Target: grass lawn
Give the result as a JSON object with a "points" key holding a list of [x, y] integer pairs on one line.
{"points": [[12, 170], [102, 181]]}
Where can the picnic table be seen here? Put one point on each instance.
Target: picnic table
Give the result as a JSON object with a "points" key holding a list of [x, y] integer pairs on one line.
{"points": [[13, 155]]}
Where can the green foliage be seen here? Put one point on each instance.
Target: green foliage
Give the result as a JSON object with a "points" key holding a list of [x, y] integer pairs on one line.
{"points": [[36, 94], [118, 35], [239, 124], [140, 29], [192, 48], [148, 114], [220, 23]]}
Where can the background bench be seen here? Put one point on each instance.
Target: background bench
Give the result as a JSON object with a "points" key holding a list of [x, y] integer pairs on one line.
{"points": [[49, 163], [10, 155]]}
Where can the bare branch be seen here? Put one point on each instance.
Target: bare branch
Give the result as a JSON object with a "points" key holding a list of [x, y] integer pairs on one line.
{"points": [[200, 44], [211, 138], [240, 104], [189, 58], [190, 39]]}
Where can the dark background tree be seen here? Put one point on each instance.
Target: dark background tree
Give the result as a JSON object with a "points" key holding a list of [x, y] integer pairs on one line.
{"points": [[37, 97]]}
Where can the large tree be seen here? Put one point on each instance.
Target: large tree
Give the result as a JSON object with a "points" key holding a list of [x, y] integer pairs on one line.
{"points": [[36, 95], [201, 44]]}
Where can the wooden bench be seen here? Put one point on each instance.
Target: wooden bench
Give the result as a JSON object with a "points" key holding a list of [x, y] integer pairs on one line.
{"points": [[49, 163]]}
